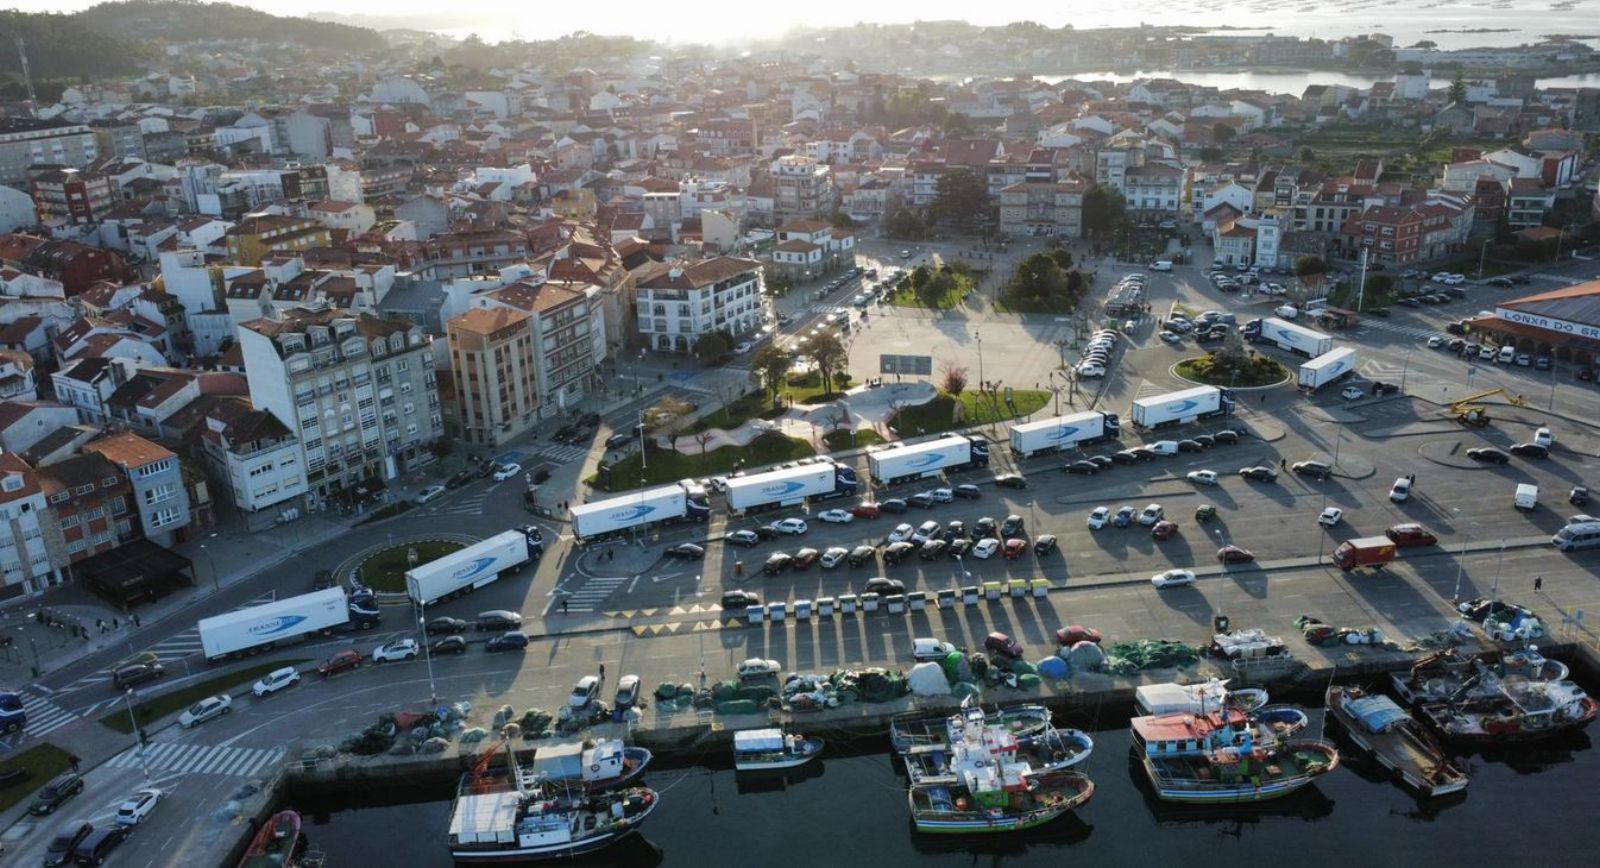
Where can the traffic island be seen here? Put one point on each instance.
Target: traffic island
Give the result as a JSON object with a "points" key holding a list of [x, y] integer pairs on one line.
{"points": [[1450, 452], [383, 568], [1250, 373]]}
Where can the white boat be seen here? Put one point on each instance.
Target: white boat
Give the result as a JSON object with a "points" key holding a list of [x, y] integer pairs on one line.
{"points": [[1211, 695], [972, 740], [768, 749]]}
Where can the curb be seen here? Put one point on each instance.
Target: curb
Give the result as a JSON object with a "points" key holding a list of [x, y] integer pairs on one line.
{"points": [[1182, 379]]}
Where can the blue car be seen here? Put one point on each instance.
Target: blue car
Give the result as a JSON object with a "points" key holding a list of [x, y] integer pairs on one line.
{"points": [[510, 641], [1124, 517]]}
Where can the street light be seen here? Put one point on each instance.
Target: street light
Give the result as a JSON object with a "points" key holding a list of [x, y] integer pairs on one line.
{"points": [[138, 734], [32, 646], [1483, 250], [427, 653]]}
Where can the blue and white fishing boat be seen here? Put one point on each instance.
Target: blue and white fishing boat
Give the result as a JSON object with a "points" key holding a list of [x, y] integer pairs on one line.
{"points": [[1216, 759], [757, 750], [971, 734]]}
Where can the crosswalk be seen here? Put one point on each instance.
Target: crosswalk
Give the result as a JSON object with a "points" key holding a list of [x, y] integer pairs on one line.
{"points": [[471, 504], [561, 452], [44, 716], [1393, 328], [591, 594], [199, 759], [174, 647]]}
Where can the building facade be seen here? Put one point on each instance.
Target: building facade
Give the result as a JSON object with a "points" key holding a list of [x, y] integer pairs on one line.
{"points": [[28, 142], [678, 302], [492, 351]]}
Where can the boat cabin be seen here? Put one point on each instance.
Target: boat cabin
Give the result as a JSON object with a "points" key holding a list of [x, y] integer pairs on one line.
{"points": [[574, 761], [1189, 734]]}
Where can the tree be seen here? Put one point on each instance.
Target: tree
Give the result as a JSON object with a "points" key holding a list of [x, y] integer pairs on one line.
{"points": [[1062, 257], [1223, 133], [1232, 355], [961, 197], [904, 224], [953, 379], [829, 355], [1458, 89], [937, 287], [957, 124], [1306, 154], [712, 346], [1103, 211], [920, 277], [772, 362], [1306, 266], [1379, 288], [1211, 154], [841, 220], [704, 438]]}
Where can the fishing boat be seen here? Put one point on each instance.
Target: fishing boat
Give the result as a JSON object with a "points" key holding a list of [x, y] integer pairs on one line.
{"points": [[909, 730], [970, 735], [1275, 724], [277, 844], [757, 750], [1379, 726], [1515, 710], [1450, 676], [1209, 695], [1006, 798], [1205, 759], [511, 818], [597, 765]]}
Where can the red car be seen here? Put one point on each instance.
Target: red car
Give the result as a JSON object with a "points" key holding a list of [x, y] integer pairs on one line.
{"points": [[1014, 548], [1235, 555], [866, 510], [1072, 634], [339, 663], [1164, 529], [1410, 535], [1003, 645]]}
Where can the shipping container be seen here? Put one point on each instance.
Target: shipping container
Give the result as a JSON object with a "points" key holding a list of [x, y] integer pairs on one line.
{"points": [[642, 508], [1062, 432], [1183, 406], [1298, 339], [957, 452], [258, 628], [790, 486], [467, 569]]}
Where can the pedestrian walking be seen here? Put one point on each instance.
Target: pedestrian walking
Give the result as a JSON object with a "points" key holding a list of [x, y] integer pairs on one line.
{"points": [[602, 671], [72, 759], [563, 607], [135, 620], [115, 624], [1283, 462], [1538, 584], [1263, 399]]}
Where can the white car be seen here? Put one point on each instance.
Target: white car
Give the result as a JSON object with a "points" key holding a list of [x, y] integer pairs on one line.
{"points": [[1172, 337], [275, 681], [942, 495], [791, 526], [1330, 516], [138, 806], [1091, 371], [584, 692], [400, 649], [1152, 514], [1202, 477], [755, 667], [1099, 517], [1352, 393], [1287, 311], [836, 516], [834, 557], [206, 709], [506, 471], [1435, 341], [432, 492], [743, 347], [1400, 491], [901, 533], [1172, 579], [985, 548], [925, 531], [924, 649]]}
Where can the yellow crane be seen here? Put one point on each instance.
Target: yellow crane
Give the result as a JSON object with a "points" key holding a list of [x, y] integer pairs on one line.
{"points": [[1467, 411]]}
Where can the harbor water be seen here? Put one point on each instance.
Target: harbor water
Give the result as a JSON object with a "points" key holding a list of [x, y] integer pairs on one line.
{"points": [[1528, 804]]}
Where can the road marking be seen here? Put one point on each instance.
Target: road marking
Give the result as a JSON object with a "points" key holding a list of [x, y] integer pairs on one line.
{"points": [[44, 716], [200, 759]]}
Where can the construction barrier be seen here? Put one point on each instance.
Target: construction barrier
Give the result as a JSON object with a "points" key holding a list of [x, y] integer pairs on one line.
{"points": [[947, 599]]}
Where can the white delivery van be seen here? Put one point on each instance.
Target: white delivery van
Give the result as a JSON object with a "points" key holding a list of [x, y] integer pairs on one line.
{"points": [[1287, 311], [1544, 437], [1507, 353], [1161, 265], [1164, 447], [1527, 496]]}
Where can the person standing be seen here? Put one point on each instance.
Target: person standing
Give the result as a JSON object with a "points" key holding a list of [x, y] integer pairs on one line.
{"points": [[1538, 584], [602, 670]]}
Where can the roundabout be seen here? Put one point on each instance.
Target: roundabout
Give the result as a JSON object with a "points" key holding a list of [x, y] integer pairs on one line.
{"points": [[1258, 372], [383, 567]]}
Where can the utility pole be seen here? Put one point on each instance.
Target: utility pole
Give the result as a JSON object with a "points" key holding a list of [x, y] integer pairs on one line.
{"points": [[33, 101], [1483, 250], [1361, 288]]}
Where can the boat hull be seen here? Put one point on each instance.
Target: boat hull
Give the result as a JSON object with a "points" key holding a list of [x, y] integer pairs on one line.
{"points": [[813, 749], [1382, 750], [1195, 791], [513, 854], [282, 828], [1063, 793]]}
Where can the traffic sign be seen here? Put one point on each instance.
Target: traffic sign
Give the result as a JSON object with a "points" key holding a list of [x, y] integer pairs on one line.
{"points": [[914, 365]]}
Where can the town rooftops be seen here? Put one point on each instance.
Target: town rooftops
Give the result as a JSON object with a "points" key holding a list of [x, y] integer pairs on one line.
{"points": [[487, 320], [693, 275], [128, 450]]}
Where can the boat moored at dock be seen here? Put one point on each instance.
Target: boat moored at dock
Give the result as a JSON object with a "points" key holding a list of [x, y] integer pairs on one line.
{"points": [[1379, 726]]}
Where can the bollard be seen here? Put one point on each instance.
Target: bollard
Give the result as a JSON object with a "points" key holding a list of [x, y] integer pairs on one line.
{"points": [[738, 568], [802, 610], [847, 604], [1018, 588], [1041, 587], [918, 600], [993, 590], [896, 603], [755, 614], [947, 599], [970, 594], [869, 602], [776, 612], [825, 606]]}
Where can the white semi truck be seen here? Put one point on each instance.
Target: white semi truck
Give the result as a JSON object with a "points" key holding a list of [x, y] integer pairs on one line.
{"points": [[1186, 405], [918, 460], [650, 506], [467, 569], [261, 628], [1326, 368], [790, 486], [1063, 432]]}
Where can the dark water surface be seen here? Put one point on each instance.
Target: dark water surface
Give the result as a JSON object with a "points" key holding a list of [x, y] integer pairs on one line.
{"points": [[1531, 805]]}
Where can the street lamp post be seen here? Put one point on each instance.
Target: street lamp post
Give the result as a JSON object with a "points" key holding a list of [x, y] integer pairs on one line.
{"points": [[427, 653], [1483, 250], [1407, 369], [982, 383], [138, 734], [211, 567], [33, 647]]}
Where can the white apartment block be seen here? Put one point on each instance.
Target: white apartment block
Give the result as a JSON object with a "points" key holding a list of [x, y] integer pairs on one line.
{"points": [[678, 302]]}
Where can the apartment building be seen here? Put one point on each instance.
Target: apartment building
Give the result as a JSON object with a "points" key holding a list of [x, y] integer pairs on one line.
{"points": [[358, 390], [69, 196], [492, 351], [156, 478], [26, 563], [567, 319], [28, 142], [802, 187], [1045, 209], [259, 459], [256, 238], [677, 302]]}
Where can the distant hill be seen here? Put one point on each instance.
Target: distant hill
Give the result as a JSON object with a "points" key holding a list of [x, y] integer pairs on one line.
{"points": [[60, 47], [186, 20]]}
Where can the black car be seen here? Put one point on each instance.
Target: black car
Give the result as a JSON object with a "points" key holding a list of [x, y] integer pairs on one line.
{"points": [[1408, 301], [445, 626], [985, 527], [1206, 441], [932, 548], [1455, 328], [1378, 311], [955, 530], [94, 849], [449, 645], [893, 505], [1101, 461], [923, 500], [1143, 453], [883, 587], [1123, 457], [894, 553], [1530, 450], [1189, 446], [52, 795], [1081, 467], [514, 640], [458, 479], [1489, 455], [767, 531], [1455, 345], [1011, 527], [967, 491], [861, 555], [1011, 480], [1381, 388], [805, 558], [322, 581], [135, 674], [777, 563], [1451, 291], [745, 538], [1045, 544], [958, 548], [1313, 469], [1502, 282], [1261, 473], [686, 552], [498, 619], [1229, 437], [67, 838]]}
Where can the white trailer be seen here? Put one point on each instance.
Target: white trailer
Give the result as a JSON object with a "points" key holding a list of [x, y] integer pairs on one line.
{"points": [[781, 487], [1061, 432], [641, 508], [956, 452], [1182, 406], [1298, 339], [467, 569], [259, 628], [1327, 367]]}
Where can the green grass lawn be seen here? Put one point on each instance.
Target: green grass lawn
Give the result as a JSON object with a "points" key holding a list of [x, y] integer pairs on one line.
{"points": [[981, 409], [41, 763], [667, 465], [903, 296], [841, 440], [751, 406], [807, 389], [1261, 372], [386, 570], [152, 710]]}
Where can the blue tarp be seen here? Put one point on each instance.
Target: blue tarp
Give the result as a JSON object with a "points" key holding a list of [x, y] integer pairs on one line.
{"points": [[1054, 668], [1376, 713]]}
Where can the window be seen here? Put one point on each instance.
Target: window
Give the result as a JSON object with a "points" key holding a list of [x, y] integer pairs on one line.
{"points": [[84, 489], [60, 496], [165, 516], [109, 482], [12, 482], [69, 521], [161, 466], [160, 493]]}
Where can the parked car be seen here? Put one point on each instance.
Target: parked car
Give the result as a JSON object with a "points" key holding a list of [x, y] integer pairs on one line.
{"points": [[967, 491], [894, 506], [94, 849], [894, 553], [925, 649], [1172, 579], [866, 509], [1126, 515], [627, 695], [805, 557], [1151, 514], [1231, 554], [210, 708], [398, 650], [1400, 491], [135, 674], [1410, 534], [339, 662], [985, 548], [1530, 450], [66, 839], [1489, 455], [1162, 530], [55, 793], [1014, 548], [275, 681], [138, 806], [686, 552], [836, 516], [739, 600], [1072, 634], [833, 557], [955, 530], [1004, 645], [587, 690], [1098, 517], [776, 563], [925, 532], [445, 626], [861, 555], [1313, 469], [448, 645], [511, 640], [1044, 544], [498, 619], [932, 548], [791, 526], [506, 471], [1011, 480], [923, 500], [432, 492], [1260, 473], [1202, 477], [1011, 527], [884, 586], [985, 527], [742, 538], [1331, 516]]}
